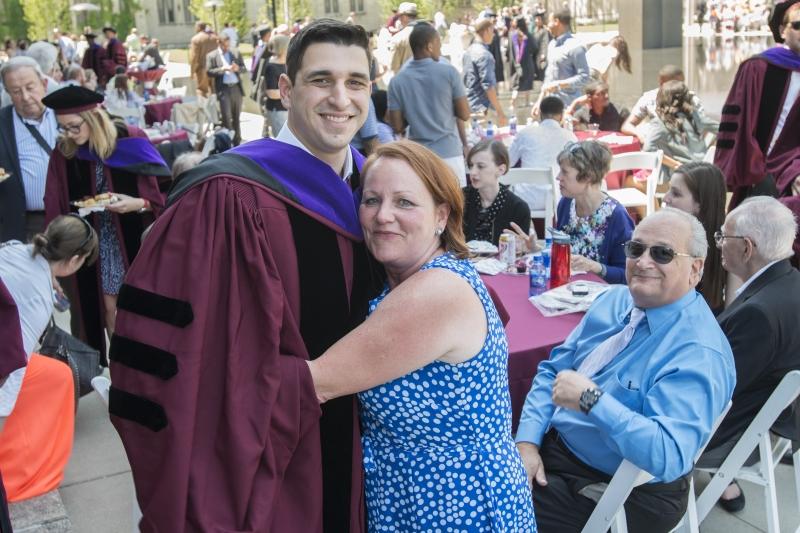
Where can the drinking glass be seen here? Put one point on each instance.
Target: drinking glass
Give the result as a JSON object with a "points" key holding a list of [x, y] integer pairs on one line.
{"points": [[594, 128]]}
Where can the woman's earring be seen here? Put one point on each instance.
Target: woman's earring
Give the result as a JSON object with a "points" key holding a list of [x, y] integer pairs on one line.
{"points": [[438, 232]]}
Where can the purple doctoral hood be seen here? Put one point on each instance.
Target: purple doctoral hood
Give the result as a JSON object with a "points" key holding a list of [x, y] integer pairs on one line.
{"points": [[129, 153], [782, 57], [317, 187]]}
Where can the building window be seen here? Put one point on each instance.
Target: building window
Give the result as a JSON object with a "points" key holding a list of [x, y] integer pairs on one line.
{"points": [[357, 6], [327, 6], [188, 18], [166, 11]]}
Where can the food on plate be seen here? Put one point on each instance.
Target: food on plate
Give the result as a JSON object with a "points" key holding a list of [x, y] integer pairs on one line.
{"points": [[98, 200]]}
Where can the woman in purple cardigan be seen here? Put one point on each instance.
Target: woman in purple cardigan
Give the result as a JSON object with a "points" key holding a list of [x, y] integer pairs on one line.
{"points": [[597, 224]]}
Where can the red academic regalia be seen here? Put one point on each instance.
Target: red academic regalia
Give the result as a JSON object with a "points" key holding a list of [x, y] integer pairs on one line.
{"points": [[115, 57], [94, 58], [256, 266], [749, 118], [73, 179], [12, 357]]}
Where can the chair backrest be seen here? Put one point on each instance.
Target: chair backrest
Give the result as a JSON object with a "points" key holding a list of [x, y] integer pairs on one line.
{"points": [[783, 395], [541, 179], [642, 160], [627, 477]]}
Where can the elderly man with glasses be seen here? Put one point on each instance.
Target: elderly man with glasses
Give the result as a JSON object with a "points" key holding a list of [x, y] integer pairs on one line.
{"points": [[27, 137], [643, 377], [761, 323]]}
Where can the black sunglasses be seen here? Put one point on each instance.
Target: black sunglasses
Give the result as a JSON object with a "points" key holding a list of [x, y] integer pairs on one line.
{"points": [[662, 255]]}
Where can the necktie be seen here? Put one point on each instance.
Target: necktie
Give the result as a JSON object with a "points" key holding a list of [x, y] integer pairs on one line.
{"points": [[609, 348]]}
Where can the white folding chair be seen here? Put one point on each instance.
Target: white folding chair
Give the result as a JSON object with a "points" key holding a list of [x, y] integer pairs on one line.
{"points": [[610, 509], [543, 184], [757, 435], [628, 196]]}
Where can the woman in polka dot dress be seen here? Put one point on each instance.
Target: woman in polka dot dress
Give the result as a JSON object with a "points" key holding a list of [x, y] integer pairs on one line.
{"points": [[431, 361]]}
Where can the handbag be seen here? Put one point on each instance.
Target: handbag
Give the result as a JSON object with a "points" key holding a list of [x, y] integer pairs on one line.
{"points": [[83, 360]]}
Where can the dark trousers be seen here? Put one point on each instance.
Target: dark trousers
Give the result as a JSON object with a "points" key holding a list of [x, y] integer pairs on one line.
{"points": [[559, 508], [230, 105], [34, 223]]}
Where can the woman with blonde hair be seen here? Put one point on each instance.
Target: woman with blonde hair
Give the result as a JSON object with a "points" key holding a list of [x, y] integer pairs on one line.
{"points": [[431, 371], [98, 165]]}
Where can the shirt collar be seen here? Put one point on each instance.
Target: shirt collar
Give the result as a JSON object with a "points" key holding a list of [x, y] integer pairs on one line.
{"points": [[659, 315], [752, 278], [550, 123], [287, 136], [563, 37], [47, 116]]}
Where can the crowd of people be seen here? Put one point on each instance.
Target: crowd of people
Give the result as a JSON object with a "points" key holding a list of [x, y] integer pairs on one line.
{"points": [[299, 339]]}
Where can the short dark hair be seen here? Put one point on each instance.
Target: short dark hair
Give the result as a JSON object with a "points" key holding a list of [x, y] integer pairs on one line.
{"points": [[564, 16], [323, 31], [551, 106], [422, 34], [496, 148]]}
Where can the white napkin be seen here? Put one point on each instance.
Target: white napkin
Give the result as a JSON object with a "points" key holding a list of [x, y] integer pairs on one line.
{"points": [[490, 266], [561, 301], [482, 247], [616, 139]]}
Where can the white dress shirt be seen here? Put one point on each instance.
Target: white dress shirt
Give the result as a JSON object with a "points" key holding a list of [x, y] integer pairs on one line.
{"points": [[287, 136]]}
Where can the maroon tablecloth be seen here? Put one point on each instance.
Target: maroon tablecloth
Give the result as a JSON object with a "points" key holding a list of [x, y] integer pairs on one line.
{"points": [[153, 75], [613, 179], [159, 111], [530, 334], [177, 135]]}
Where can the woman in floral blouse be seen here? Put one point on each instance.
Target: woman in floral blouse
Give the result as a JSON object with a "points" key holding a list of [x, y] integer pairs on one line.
{"points": [[597, 224]]}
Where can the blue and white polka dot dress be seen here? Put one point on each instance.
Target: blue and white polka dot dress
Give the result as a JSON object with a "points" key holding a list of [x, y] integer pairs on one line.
{"points": [[437, 444]]}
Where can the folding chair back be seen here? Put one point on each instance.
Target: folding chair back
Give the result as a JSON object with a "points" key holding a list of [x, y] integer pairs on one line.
{"points": [[610, 509], [531, 184], [628, 196], [757, 435]]}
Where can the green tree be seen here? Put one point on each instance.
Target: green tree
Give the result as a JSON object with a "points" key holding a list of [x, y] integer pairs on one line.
{"points": [[12, 20], [122, 16], [298, 9], [232, 11], [42, 16]]}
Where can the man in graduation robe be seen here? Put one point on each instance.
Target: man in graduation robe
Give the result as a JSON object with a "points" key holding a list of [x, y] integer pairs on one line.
{"points": [[758, 146], [256, 265]]}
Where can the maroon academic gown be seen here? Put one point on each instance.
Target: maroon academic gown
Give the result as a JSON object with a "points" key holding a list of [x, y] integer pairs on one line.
{"points": [[12, 357], [241, 280], [94, 58], [115, 57], [749, 118], [69, 180]]}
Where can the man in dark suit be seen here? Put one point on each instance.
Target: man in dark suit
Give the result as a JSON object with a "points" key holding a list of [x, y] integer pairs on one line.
{"points": [[761, 323], [28, 132], [225, 66]]}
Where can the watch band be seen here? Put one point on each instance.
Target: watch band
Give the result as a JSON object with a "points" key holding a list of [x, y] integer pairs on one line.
{"points": [[588, 399]]}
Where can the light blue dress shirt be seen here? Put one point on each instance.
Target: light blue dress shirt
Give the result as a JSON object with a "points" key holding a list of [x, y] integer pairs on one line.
{"points": [[662, 393], [33, 159], [566, 62]]}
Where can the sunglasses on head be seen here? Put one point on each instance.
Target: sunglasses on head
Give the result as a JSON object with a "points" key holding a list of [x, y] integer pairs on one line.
{"points": [[661, 254], [89, 232]]}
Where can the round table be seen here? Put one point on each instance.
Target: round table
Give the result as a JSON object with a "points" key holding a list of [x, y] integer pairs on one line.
{"points": [[159, 110], [531, 335]]}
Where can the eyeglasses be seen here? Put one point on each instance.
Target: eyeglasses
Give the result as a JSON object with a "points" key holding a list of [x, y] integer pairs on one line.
{"points": [[71, 128], [795, 25], [720, 237], [662, 255]]}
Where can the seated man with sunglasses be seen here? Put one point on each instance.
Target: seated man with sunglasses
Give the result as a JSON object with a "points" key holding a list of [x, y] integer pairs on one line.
{"points": [[643, 377], [761, 323]]}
